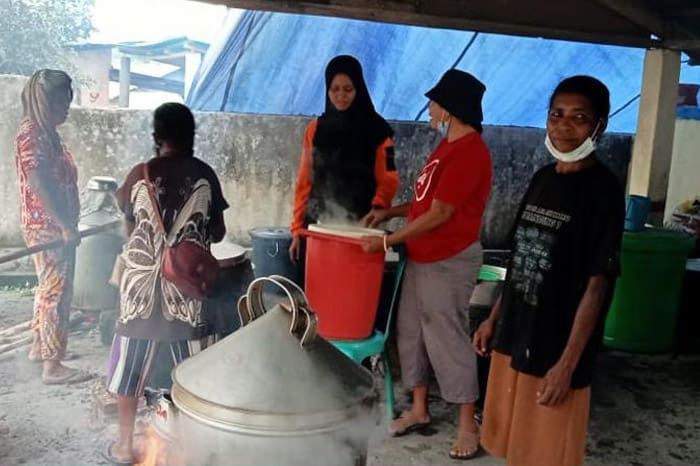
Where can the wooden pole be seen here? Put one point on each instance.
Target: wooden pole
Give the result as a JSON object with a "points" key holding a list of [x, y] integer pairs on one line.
{"points": [[56, 244], [15, 344], [15, 329]]}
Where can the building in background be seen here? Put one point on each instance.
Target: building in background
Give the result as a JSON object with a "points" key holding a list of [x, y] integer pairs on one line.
{"points": [[137, 74]]}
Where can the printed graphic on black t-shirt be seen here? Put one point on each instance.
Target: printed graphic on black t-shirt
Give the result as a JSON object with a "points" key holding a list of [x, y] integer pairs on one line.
{"points": [[532, 257]]}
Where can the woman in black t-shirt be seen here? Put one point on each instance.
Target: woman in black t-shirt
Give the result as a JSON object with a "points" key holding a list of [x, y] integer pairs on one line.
{"points": [[565, 243]]}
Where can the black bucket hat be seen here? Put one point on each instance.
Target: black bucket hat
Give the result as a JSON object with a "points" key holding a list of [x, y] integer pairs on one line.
{"points": [[460, 93]]}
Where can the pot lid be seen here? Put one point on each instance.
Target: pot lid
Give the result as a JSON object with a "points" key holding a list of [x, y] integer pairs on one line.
{"points": [[349, 231], [274, 372], [228, 253]]}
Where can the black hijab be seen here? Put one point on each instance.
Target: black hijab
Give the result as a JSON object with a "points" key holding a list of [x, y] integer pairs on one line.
{"points": [[359, 128]]}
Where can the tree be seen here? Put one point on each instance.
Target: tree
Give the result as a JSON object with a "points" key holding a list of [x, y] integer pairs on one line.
{"points": [[34, 34]]}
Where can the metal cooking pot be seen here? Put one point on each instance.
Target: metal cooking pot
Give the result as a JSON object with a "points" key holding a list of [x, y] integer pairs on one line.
{"points": [[274, 392], [96, 254]]}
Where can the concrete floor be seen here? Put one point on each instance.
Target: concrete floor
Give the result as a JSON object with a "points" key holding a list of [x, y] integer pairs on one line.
{"points": [[645, 411]]}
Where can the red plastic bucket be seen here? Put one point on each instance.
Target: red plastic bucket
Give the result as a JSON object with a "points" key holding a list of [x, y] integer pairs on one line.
{"points": [[343, 282]]}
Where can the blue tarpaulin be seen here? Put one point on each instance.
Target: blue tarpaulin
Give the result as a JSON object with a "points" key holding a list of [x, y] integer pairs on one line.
{"points": [[273, 63]]}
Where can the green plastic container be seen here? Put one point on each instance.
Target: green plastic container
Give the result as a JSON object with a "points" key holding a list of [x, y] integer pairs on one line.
{"points": [[491, 273], [644, 309]]}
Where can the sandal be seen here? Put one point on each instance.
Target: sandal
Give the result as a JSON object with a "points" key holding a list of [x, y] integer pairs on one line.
{"points": [[68, 356], [113, 460], [73, 376], [466, 441], [406, 423]]}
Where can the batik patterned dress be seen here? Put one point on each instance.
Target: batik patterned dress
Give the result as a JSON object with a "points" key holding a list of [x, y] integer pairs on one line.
{"points": [[45, 154]]}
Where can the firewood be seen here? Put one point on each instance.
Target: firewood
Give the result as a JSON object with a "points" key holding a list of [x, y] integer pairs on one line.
{"points": [[13, 338], [15, 329], [15, 344]]}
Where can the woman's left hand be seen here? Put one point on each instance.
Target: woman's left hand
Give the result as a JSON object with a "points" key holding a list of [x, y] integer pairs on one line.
{"points": [[555, 386], [373, 244], [374, 217]]}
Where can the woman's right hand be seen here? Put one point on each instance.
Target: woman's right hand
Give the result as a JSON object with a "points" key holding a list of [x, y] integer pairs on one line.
{"points": [[482, 338], [374, 217], [295, 249]]}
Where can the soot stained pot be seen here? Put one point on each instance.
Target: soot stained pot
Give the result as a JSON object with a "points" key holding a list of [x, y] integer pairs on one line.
{"points": [[96, 254], [274, 392]]}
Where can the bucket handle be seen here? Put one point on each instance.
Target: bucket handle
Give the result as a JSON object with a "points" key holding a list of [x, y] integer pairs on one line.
{"points": [[277, 250], [304, 321]]}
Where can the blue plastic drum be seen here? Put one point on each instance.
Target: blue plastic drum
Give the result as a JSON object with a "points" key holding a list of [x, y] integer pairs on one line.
{"points": [[271, 253], [637, 212]]}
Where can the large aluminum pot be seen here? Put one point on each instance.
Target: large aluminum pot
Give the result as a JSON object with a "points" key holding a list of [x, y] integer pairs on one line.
{"points": [[96, 254], [273, 392]]}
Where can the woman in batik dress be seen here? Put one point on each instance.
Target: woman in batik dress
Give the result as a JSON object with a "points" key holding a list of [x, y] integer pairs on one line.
{"points": [[50, 209]]}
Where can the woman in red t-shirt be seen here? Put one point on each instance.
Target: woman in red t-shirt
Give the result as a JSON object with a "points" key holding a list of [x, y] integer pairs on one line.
{"points": [[444, 257], [50, 208]]}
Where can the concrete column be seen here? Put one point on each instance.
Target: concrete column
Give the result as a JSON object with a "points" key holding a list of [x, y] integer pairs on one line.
{"points": [[683, 180], [653, 143], [124, 81], [192, 61]]}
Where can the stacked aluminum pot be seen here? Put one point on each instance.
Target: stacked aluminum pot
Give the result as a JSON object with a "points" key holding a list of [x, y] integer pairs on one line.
{"points": [[273, 392]]}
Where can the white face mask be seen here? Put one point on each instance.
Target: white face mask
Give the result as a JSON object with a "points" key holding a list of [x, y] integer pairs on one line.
{"points": [[581, 152], [443, 126]]}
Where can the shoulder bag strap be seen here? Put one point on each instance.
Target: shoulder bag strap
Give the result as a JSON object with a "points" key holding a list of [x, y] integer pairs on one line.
{"points": [[152, 197]]}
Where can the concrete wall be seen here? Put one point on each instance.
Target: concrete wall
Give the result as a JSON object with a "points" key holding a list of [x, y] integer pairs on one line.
{"points": [[256, 157], [684, 177], [95, 63]]}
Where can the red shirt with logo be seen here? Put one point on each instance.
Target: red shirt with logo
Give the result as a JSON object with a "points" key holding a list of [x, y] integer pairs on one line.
{"points": [[457, 173]]}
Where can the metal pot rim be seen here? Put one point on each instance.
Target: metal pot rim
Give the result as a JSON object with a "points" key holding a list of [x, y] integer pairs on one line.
{"points": [[260, 423]]}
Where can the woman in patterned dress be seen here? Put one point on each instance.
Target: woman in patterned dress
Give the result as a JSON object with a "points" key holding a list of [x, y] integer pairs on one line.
{"points": [[153, 311], [50, 209]]}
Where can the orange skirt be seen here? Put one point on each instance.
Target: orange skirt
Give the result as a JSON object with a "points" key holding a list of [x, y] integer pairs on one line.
{"points": [[516, 428]]}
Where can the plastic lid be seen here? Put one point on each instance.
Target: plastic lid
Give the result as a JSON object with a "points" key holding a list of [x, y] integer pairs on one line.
{"points": [[270, 232], [349, 231], [491, 273], [657, 239]]}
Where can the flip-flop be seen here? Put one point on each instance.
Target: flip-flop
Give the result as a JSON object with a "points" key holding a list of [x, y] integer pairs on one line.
{"points": [[106, 453], [407, 426], [68, 356], [75, 376], [473, 439]]}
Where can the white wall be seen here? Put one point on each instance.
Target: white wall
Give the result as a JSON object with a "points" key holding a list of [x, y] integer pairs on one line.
{"points": [[684, 177]]}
